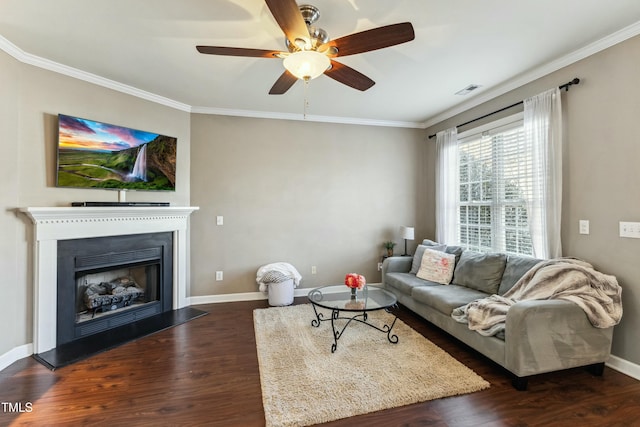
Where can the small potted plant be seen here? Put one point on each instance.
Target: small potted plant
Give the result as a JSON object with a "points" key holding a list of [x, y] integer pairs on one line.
{"points": [[389, 247]]}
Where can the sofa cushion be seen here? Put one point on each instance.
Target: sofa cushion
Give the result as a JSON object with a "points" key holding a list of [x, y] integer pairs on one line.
{"points": [[455, 250], [417, 257], [480, 271], [516, 267], [405, 282], [437, 266], [445, 298], [428, 242]]}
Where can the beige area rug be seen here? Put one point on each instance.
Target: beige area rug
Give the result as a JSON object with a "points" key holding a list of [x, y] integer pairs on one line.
{"points": [[303, 383]]}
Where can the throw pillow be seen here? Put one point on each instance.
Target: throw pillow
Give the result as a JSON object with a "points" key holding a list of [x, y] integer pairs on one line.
{"points": [[428, 242], [437, 266], [480, 271], [417, 257]]}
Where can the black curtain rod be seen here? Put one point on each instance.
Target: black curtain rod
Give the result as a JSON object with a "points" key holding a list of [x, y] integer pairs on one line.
{"points": [[565, 86]]}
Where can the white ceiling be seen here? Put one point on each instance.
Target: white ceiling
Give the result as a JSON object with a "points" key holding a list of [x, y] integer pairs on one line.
{"points": [[148, 47]]}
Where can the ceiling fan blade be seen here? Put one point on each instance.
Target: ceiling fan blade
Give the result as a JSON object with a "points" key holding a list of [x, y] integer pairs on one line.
{"points": [[376, 38], [287, 15], [238, 51], [284, 82], [348, 76]]}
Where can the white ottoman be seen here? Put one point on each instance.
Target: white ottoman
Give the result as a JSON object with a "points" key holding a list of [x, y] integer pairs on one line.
{"points": [[280, 293]]}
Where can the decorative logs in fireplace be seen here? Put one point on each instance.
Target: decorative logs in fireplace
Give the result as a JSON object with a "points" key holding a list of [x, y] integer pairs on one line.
{"points": [[106, 296]]}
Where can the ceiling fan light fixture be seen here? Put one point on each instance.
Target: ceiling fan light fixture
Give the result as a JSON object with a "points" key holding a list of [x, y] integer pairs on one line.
{"points": [[307, 64]]}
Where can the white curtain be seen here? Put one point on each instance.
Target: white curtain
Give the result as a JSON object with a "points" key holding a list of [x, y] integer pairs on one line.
{"points": [[447, 186], [543, 131]]}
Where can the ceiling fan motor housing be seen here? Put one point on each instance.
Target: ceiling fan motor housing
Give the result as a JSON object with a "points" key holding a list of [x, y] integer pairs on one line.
{"points": [[310, 13], [317, 36]]}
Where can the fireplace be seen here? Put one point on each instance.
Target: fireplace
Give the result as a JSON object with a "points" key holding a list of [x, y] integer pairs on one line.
{"points": [[106, 282], [54, 227]]}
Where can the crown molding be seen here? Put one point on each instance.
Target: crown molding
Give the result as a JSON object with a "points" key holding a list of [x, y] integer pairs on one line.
{"points": [[302, 117], [548, 68], [56, 67], [595, 47]]}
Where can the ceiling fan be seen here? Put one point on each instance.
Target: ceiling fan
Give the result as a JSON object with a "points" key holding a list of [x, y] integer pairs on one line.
{"points": [[311, 53]]}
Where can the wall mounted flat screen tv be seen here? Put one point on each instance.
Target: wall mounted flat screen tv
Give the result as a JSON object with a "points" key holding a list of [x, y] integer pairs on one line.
{"points": [[100, 155]]}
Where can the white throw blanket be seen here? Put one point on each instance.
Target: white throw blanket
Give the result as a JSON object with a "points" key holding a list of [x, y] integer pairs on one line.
{"points": [[283, 268], [598, 294]]}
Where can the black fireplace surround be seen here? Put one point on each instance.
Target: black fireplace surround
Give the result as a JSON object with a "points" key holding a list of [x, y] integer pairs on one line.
{"points": [[151, 253]]}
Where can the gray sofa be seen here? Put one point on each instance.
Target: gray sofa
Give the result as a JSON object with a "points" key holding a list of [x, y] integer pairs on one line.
{"points": [[540, 335]]}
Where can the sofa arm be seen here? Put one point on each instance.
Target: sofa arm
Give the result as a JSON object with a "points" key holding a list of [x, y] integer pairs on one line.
{"points": [[550, 335], [397, 264]]}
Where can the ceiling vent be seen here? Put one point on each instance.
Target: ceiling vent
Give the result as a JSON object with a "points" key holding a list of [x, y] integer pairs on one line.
{"points": [[468, 89]]}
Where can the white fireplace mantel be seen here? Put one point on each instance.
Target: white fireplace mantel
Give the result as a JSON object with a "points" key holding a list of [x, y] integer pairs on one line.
{"points": [[62, 223]]}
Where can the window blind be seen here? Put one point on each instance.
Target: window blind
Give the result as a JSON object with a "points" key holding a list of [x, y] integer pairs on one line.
{"points": [[495, 174]]}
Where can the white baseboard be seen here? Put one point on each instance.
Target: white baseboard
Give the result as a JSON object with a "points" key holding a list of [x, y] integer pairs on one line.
{"points": [[624, 366], [250, 296], [15, 354], [214, 299]]}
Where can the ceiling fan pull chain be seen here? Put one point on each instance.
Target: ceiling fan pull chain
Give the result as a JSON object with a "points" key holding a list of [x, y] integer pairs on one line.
{"points": [[306, 102]]}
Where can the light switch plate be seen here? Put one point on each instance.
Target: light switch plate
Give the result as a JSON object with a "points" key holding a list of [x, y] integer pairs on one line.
{"points": [[630, 229], [584, 226], [219, 220]]}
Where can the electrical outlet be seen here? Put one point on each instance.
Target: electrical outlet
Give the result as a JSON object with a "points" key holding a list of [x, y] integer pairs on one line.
{"points": [[313, 269], [219, 275], [379, 266]]}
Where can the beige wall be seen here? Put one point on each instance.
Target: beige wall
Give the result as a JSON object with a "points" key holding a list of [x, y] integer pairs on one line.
{"points": [[300, 192], [15, 292], [45, 94], [28, 121], [601, 181]]}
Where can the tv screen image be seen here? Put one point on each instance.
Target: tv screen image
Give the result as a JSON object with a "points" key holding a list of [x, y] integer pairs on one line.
{"points": [[93, 154]]}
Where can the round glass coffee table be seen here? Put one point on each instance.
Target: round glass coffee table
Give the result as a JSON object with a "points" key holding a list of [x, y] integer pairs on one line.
{"points": [[346, 306]]}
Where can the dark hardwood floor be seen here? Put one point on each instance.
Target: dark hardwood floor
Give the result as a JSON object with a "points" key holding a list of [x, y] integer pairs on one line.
{"points": [[205, 373]]}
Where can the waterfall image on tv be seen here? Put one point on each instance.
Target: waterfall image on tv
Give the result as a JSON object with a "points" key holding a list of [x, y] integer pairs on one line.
{"points": [[100, 155]]}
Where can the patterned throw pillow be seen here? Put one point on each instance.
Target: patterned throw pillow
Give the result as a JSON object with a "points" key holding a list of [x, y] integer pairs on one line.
{"points": [[437, 266], [417, 257]]}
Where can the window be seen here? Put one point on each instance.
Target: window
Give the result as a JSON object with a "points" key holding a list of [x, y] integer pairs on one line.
{"points": [[494, 176]]}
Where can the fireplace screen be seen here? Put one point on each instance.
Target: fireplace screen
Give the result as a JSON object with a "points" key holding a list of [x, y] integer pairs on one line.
{"points": [[114, 290], [107, 282]]}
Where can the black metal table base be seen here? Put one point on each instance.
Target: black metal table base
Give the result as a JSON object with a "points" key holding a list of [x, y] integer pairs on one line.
{"points": [[359, 317]]}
